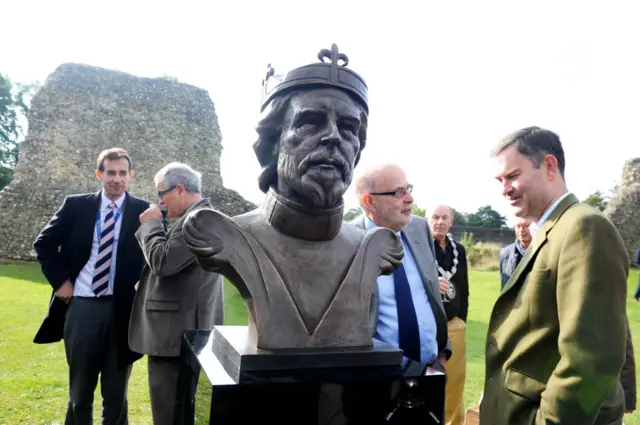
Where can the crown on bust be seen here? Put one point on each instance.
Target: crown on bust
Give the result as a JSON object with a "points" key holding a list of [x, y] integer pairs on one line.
{"points": [[323, 74]]}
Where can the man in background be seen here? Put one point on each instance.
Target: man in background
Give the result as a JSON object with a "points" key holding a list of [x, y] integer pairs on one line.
{"points": [[453, 275], [511, 255], [174, 293], [89, 255]]}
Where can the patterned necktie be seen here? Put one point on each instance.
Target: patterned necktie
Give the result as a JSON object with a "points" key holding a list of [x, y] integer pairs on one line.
{"points": [[100, 283], [407, 319]]}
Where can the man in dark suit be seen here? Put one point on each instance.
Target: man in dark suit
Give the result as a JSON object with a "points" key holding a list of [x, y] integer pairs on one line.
{"points": [[407, 307], [89, 254]]}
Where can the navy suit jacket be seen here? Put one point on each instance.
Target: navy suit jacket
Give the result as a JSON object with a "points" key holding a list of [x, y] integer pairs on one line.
{"points": [[64, 247]]}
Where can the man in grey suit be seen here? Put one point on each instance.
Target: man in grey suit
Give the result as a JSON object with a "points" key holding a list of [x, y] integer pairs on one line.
{"points": [[174, 293], [407, 305]]}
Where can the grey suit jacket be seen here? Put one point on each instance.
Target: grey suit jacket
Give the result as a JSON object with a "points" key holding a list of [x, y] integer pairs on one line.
{"points": [[174, 294], [420, 240]]}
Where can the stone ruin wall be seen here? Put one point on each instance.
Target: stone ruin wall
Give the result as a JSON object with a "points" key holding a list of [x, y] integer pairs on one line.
{"points": [[624, 208], [82, 110]]}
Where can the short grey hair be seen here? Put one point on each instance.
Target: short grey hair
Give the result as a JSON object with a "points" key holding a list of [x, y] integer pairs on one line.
{"points": [[178, 173], [534, 143]]}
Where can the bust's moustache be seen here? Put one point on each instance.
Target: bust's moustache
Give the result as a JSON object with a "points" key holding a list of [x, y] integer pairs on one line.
{"points": [[324, 157]]}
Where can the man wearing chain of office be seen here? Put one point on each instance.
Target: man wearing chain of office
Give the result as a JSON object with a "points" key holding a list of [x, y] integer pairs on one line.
{"points": [[454, 287]]}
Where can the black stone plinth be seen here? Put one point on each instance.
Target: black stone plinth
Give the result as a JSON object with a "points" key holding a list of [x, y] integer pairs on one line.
{"points": [[225, 379], [244, 362]]}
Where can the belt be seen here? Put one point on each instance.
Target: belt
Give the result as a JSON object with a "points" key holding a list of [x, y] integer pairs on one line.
{"points": [[102, 298]]}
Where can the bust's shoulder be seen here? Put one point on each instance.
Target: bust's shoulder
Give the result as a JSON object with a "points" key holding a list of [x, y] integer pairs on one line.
{"points": [[352, 228], [250, 217]]}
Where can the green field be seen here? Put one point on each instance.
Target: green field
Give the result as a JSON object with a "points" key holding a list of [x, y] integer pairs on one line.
{"points": [[33, 378]]}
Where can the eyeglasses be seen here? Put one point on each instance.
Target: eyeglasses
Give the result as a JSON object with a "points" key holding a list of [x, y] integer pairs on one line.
{"points": [[161, 193], [398, 193]]}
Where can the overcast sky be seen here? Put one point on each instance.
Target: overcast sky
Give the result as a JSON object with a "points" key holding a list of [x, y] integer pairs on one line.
{"points": [[446, 79]]}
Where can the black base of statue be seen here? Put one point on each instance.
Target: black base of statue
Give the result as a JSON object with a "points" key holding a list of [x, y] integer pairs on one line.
{"points": [[225, 380]]}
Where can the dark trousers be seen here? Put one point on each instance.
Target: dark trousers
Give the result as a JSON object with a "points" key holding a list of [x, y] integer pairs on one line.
{"points": [[163, 383], [90, 345]]}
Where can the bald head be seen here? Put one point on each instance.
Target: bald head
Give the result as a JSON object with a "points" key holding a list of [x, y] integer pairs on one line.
{"points": [[440, 221], [369, 178], [384, 195]]}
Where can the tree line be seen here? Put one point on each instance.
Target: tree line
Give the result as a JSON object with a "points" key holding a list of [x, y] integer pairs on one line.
{"points": [[485, 216], [14, 105]]}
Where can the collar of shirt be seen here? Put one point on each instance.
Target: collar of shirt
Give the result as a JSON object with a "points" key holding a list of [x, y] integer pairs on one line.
{"points": [[535, 226], [106, 201]]}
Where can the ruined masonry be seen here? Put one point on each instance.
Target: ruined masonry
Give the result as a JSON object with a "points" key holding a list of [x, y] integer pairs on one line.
{"points": [[624, 208], [82, 110]]}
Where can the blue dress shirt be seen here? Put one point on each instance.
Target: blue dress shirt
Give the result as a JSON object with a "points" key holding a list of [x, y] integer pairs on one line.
{"points": [[387, 330]]}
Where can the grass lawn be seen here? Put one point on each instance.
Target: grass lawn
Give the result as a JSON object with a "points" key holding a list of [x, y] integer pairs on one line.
{"points": [[33, 378]]}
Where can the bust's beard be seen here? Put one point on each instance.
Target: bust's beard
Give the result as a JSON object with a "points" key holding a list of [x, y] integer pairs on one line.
{"points": [[315, 189], [322, 194]]}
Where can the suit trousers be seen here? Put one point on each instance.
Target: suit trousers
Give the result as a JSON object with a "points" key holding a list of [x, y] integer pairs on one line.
{"points": [[456, 373], [163, 384], [92, 353]]}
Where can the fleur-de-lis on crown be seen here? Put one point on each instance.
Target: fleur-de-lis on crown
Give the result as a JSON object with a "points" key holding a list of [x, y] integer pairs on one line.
{"points": [[334, 56], [331, 72], [270, 72]]}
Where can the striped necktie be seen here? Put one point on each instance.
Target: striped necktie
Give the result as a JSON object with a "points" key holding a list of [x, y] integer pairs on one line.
{"points": [[100, 283]]}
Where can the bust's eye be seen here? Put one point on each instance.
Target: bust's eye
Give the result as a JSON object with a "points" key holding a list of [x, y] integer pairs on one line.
{"points": [[309, 120], [347, 126]]}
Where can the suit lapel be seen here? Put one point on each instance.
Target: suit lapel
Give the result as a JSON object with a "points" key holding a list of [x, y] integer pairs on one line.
{"points": [[89, 227], [533, 249], [539, 241], [414, 236], [128, 217]]}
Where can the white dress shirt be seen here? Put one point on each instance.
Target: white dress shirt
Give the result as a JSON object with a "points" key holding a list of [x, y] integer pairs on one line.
{"points": [[82, 285], [535, 226]]}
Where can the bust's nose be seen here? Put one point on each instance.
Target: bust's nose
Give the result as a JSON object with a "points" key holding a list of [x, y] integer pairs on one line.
{"points": [[332, 135]]}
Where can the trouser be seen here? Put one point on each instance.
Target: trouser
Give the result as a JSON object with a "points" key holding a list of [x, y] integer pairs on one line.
{"points": [[163, 382], [456, 373], [92, 352]]}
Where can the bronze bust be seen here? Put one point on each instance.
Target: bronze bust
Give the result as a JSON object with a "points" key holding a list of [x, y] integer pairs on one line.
{"points": [[307, 277]]}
